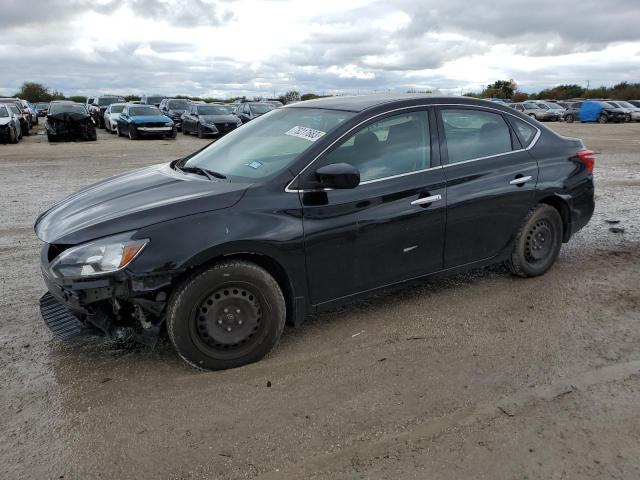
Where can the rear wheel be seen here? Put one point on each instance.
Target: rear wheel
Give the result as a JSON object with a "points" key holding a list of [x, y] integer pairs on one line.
{"points": [[200, 134], [228, 315], [92, 135], [13, 135], [538, 242], [569, 118], [603, 119]]}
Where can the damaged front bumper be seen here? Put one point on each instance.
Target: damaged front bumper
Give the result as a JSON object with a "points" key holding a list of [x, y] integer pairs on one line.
{"points": [[118, 305]]}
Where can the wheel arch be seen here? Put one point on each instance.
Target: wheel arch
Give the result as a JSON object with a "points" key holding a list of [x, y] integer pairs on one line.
{"points": [[295, 313], [561, 205]]}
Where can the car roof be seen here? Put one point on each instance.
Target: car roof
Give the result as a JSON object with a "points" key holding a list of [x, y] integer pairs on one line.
{"points": [[364, 102]]}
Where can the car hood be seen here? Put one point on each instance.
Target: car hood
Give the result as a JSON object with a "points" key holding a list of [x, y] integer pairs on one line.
{"points": [[220, 118], [131, 201], [150, 119], [176, 112], [5, 120]]}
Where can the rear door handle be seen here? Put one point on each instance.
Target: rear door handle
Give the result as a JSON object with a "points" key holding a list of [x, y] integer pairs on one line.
{"points": [[520, 180], [431, 199]]}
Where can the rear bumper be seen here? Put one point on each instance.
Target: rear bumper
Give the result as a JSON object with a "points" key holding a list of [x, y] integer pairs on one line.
{"points": [[581, 208]]}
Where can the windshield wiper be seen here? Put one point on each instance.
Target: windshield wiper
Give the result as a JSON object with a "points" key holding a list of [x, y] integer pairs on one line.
{"points": [[210, 174]]}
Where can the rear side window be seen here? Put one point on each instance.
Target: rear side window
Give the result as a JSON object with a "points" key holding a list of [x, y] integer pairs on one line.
{"points": [[473, 134], [525, 131], [392, 146]]}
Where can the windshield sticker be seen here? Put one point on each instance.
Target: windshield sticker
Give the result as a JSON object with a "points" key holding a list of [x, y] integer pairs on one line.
{"points": [[255, 165], [305, 132]]}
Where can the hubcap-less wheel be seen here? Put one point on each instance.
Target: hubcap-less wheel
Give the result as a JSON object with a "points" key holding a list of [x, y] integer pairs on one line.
{"points": [[229, 318], [539, 242]]}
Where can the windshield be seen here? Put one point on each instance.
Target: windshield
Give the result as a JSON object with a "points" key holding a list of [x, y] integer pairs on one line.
{"points": [[117, 108], [42, 105], [14, 109], [3, 112], [106, 101], [153, 100], [554, 106], [543, 106], [625, 105], [267, 145], [147, 110], [178, 105], [259, 109], [67, 108], [212, 110]]}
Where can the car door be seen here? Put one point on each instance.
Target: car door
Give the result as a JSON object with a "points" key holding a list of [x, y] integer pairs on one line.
{"points": [[490, 179], [390, 227]]}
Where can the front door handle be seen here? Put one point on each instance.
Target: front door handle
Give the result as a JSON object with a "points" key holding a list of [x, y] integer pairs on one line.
{"points": [[520, 180], [425, 200]]}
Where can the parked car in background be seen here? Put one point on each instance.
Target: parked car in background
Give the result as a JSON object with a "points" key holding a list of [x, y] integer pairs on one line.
{"points": [[99, 106], [16, 108], [174, 108], [247, 111], [227, 106], [303, 208], [9, 125], [42, 108], [632, 112], [539, 111], [635, 103], [152, 99], [208, 119], [594, 111], [67, 120], [144, 121], [111, 115], [554, 107], [25, 114], [34, 113]]}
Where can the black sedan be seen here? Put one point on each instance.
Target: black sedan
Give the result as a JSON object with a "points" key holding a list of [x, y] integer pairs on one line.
{"points": [[247, 111], [307, 207], [203, 119]]}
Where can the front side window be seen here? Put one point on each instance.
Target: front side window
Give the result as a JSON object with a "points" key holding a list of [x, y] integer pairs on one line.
{"points": [[267, 145], [178, 104], [392, 146], [3, 112], [473, 134]]}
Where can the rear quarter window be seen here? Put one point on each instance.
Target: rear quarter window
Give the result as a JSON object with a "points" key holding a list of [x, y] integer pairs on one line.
{"points": [[525, 132]]}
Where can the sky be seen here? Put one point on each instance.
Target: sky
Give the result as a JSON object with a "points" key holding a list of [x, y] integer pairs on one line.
{"points": [[225, 48]]}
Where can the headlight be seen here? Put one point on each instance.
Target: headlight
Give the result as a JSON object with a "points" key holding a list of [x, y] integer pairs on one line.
{"points": [[168, 124], [97, 258]]}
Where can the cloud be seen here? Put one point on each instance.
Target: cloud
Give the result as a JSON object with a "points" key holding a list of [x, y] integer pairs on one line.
{"points": [[204, 47]]}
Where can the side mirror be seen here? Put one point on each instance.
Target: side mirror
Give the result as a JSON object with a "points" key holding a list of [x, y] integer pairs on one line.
{"points": [[338, 176]]}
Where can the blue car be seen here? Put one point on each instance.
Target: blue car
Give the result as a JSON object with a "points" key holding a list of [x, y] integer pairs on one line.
{"points": [[144, 120]]}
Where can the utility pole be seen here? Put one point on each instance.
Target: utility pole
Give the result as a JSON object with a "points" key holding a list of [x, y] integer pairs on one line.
{"points": [[588, 81]]}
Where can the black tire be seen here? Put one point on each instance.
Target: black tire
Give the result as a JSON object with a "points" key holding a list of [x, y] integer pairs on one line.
{"points": [[26, 130], [51, 138], [538, 242], [174, 133], [569, 118], [603, 119], [184, 130], [205, 316], [133, 133], [200, 134], [118, 132], [13, 135]]}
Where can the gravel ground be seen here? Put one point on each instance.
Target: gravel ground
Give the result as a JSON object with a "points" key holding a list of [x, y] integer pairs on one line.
{"points": [[481, 376]]}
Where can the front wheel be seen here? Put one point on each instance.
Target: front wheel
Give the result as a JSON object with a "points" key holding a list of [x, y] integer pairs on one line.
{"points": [[603, 119], [230, 314], [133, 133], [538, 242], [569, 118]]}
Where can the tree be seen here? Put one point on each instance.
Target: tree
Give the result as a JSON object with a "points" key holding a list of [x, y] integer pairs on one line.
{"points": [[290, 96], [500, 89], [519, 97], [34, 92], [131, 98]]}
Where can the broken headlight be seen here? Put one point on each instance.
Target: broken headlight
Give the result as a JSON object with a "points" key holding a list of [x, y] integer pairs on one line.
{"points": [[102, 256]]}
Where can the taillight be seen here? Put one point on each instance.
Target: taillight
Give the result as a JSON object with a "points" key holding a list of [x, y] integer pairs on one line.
{"points": [[588, 159]]}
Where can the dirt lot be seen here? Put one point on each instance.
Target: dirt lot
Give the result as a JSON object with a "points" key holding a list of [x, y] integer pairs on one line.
{"points": [[480, 376]]}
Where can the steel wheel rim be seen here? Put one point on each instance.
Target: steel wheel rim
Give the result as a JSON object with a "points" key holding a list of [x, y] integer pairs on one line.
{"points": [[229, 320], [539, 242]]}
